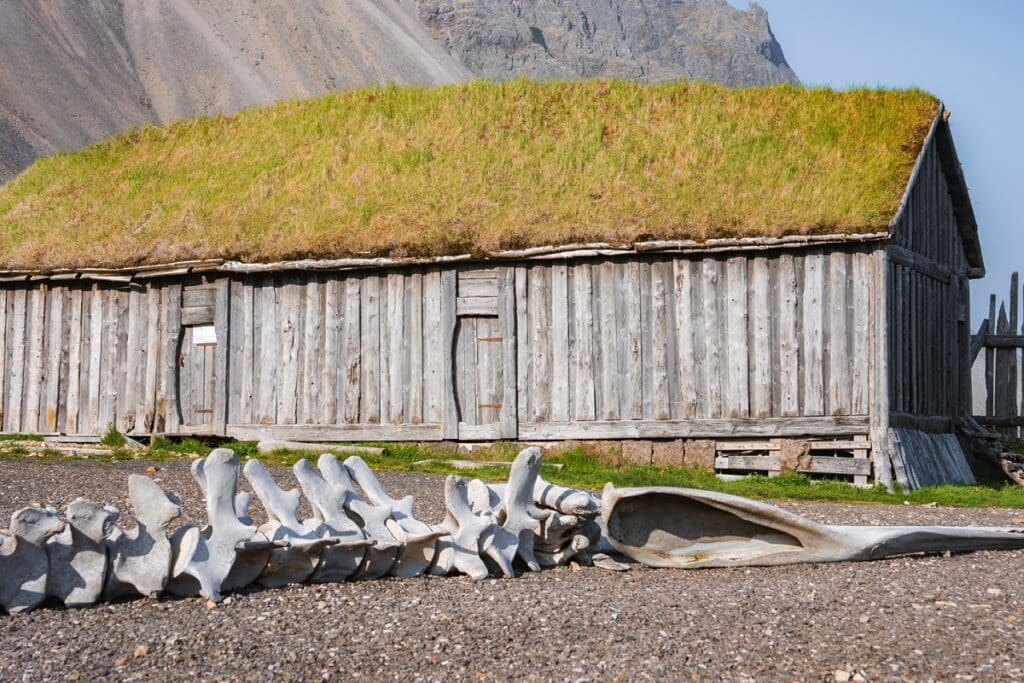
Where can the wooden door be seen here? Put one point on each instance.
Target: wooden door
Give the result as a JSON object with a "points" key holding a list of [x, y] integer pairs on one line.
{"points": [[484, 355], [202, 359]]}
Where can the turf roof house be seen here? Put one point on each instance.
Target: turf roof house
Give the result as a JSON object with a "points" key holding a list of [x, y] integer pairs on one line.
{"points": [[842, 331]]}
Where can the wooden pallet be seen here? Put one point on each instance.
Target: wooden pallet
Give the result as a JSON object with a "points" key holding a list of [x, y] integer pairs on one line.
{"points": [[849, 457]]}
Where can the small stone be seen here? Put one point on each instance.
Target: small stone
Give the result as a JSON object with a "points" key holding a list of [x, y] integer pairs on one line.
{"points": [[994, 591], [120, 661], [227, 601], [864, 619], [210, 604], [859, 678], [575, 566], [842, 676], [140, 651], [933, 504]]}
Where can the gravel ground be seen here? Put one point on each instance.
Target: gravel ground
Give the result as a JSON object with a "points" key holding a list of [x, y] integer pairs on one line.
{"points": [[921, 618]]}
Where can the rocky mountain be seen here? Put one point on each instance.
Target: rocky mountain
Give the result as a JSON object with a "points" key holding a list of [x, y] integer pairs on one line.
{"points": [[75, 71], [651, 40]]}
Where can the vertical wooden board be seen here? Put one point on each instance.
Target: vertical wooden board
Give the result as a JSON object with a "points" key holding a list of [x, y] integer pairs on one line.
{"points": [[333, 354], [488, 370], [133, 359], [75, 353], [4, 365], [449, 298], [840, 379], [414, 331], [96, 344], [737, 346], [508, 417], [433, 365], [761, 340], [466, 369], [523, 352], [644, 299], [814, 335], [559, 342], [540, 344], [607, 333], [150, 344], [789, 337], [860, 335], [188, 375], [351, 378], [685, 320], [630, 343], [289, 321], [167, 402], [661, 399], [56, 342], [583, 347], [313, 358], [35, 326], [236, 328], [269, 352], [369, 390], [219, 354], [393, 340], [710, 294]]}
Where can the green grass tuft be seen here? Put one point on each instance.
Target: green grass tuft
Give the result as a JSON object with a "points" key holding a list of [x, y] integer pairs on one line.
{"points": [[112, 438]]}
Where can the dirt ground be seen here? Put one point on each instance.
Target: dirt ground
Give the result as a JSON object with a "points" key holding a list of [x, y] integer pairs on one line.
{"points": [[918, 618]]}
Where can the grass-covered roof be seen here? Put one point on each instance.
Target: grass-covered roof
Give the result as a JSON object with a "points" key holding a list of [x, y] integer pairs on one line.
{"points": [[472, 168]]}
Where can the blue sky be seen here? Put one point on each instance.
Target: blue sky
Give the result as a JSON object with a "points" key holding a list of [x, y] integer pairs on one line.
{"points": [[970, 54]]}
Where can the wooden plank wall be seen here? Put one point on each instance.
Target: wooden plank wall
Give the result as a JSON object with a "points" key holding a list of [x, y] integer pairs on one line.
{"points": [[78, 358], [929, 312], [670, 340], [348, 349]]}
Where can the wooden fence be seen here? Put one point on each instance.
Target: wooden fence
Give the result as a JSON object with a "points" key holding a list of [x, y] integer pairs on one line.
{"points": [[997, 379]]}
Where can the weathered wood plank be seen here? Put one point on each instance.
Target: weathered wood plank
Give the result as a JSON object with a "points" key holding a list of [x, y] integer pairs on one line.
{"points": [[393, 349], [523, 364], [661, 399], [290, 308], [508, 418], [762, 339], [369, 389], [221, 377], [818, 464], [414, 326], [559, 341], [712, 332], [540, 344], [631, 389], [738, 373], [313, 358], [327, 433], [477, 305], [172, 349], [450, 424], [333, 355], [860, 360], [583, 347], [55, 341], [840, 379], [75, 356], [607, 333], [696, 429], [434, 350], [351, 378], [814, 334], [35, 319], [267, 327], [685, 320], [145, 415]]}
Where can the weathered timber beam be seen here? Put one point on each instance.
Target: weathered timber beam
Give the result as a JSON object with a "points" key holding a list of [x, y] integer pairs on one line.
{"points": [[921, 264], [935, 424], [772, 463], [696, 429], [404, 432]]}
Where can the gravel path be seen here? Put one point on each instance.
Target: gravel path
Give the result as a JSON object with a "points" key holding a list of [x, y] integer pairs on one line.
{"points": [[908, 619]]}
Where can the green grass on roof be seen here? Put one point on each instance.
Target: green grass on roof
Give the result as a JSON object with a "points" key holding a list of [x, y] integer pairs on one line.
{"points": [[478, 167]]}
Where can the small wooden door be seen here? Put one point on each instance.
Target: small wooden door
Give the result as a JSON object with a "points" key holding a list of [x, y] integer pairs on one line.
{"points": [[202, 359], [485, 357]]}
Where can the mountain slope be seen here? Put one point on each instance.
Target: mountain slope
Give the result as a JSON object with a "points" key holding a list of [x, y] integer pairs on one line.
{"points": [[73, 72]]}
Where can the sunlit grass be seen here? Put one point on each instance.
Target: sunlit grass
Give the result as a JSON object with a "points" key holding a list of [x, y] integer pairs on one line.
{"points": [[476, 167]]}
